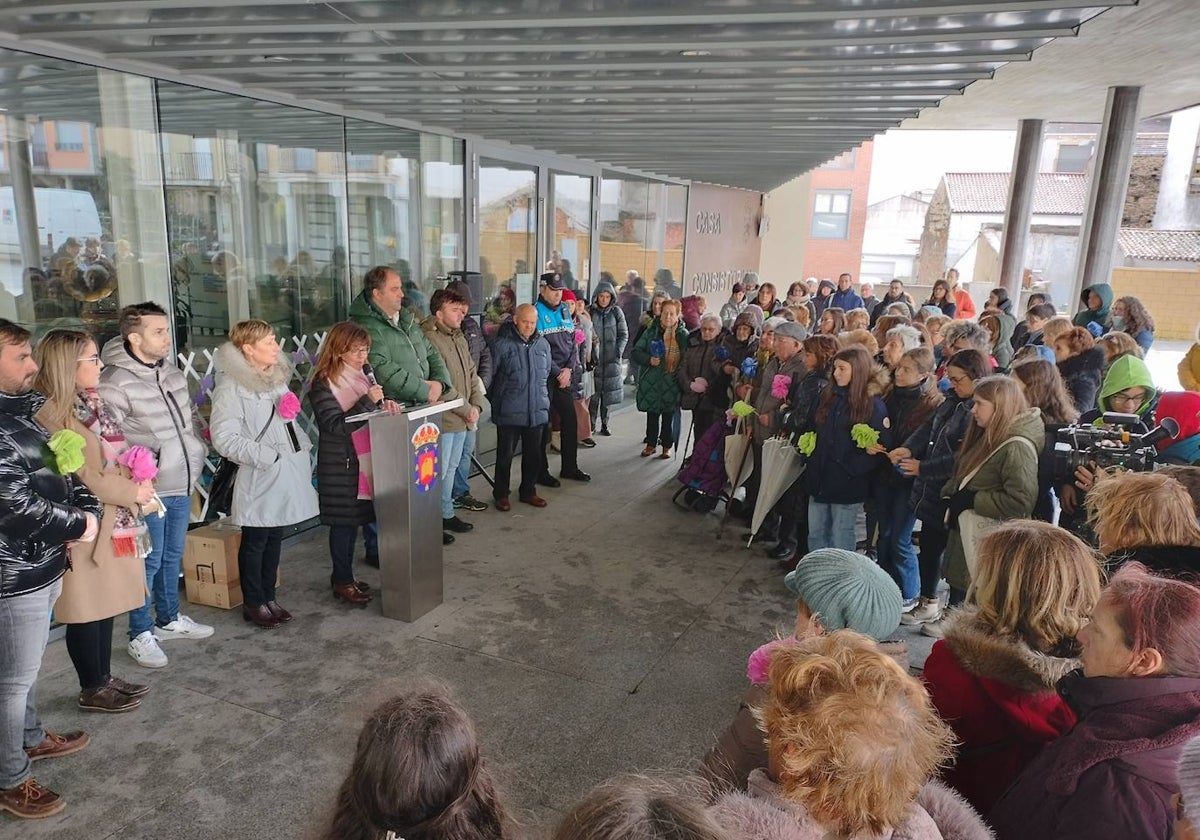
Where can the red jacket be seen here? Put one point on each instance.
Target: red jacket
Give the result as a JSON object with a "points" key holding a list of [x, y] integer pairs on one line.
{"points": [[998, 696], [964, 307]]}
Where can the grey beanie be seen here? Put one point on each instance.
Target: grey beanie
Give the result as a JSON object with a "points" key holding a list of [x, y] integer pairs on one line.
{"points": [[846, 591], [773, 323], [1189, 780], [792, 330]]}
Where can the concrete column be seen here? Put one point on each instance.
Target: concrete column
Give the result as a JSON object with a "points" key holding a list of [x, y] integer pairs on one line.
{"points": [[1106, 198], [1021, 184]]}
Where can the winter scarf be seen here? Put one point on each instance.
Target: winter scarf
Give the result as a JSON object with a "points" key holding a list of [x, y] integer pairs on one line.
{"points": [[130, 537], [348, 387]]}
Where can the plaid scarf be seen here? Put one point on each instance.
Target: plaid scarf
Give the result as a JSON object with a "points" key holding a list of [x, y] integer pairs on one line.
{"points": [[348, 387], [130, 537]]}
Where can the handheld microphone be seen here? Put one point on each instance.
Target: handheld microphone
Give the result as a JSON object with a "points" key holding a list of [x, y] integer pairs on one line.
{"points": [[369, 372]]}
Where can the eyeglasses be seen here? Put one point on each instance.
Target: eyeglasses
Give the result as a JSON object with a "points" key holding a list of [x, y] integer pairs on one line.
{"points": [[94, 360], [955, 380], [1127, 399]]}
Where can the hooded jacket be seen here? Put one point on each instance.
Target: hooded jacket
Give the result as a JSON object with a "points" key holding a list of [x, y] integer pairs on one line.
{"points": [[1006, 487], [1184, 408], [1082, 374], [519, 395], [691, 308], [1087, 316], [464, 381], [274, 479], [997, 694], [152, 406], [1189, 366], [612, 334], [1002, 350], [40, 510], [401, 356], [822, 300], [733, 308], [658, 389], [763, 813], [1114, 774], [1127, 372]]}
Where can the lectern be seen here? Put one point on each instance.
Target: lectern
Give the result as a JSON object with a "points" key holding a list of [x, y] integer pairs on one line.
{"points": [[407, 466]]}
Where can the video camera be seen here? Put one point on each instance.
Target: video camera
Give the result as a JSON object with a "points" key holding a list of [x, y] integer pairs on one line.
{"points": [[1118, 441]]}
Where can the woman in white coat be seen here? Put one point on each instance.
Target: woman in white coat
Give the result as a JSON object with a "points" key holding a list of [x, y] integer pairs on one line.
{"points": [[252, 424]]}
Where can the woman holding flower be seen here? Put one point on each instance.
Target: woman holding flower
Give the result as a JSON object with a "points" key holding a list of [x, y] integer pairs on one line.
{"points": [[107, 577], [658, 353], [253, 424]]}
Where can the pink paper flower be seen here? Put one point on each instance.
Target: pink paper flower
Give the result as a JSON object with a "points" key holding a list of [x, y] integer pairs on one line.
{"points": [[289, 406], [580, 337], [759, 666], [140, 462], [780, 385]]}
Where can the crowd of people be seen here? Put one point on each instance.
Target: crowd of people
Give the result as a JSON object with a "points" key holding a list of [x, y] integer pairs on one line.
{"points": [[1061, 699]]}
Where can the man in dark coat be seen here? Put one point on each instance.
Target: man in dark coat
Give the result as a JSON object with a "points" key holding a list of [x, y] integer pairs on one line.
{"points": [[520, 401], [463, 500], [42, 509], [845, 298], [566, 378]]}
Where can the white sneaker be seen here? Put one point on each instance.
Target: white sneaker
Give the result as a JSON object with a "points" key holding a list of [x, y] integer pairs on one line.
{"points": [[183, 628], [910, 605], [145, 651], [929, 609]]}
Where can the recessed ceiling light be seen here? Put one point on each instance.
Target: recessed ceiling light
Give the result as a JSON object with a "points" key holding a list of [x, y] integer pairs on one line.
{"points": [[283, 59], [694, 53]]}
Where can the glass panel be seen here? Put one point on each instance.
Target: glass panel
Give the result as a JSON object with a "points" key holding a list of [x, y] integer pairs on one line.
{"points": [[507, 236], [256, 211], [81, 203], [571, 209], [624, 258], [406, 206]]}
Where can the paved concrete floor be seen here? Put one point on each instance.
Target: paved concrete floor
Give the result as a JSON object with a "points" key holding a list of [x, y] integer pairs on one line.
{"points": [[605, 633]]}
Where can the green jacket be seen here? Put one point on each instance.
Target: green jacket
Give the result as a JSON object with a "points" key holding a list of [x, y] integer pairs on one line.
{"points": [[1006, 487], [402, 357], [1085, 316], [658, 390], [1128, 372]]}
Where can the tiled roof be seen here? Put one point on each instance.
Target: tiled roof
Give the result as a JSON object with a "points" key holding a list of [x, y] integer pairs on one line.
{"points": [[1056, 193], [1171, 245], [1145, 145]]}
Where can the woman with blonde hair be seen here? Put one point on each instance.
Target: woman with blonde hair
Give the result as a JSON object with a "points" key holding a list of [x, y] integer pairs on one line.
{"points": [[1146, 517], [107, 576], [853, 742], [992, 677], [641, 808], [858, 319], [1116, 344], [253, 425], [995, 476]]}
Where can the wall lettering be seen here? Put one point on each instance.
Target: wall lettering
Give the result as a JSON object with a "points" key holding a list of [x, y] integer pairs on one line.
{"points": [[708, 222]]}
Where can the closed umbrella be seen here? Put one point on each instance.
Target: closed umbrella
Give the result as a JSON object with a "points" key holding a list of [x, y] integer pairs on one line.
{"points": [[738, 463], [781, 466]]}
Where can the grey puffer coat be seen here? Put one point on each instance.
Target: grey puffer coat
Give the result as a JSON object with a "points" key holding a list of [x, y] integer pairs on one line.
{"points": [[152, 406], [274, 481], [612, 334]]}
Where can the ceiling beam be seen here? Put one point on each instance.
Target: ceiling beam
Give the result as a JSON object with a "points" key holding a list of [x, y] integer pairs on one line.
{"points": [[883, 83]]}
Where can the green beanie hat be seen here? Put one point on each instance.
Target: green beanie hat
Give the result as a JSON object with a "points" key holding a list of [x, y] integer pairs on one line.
{"points": [[847, 591]]}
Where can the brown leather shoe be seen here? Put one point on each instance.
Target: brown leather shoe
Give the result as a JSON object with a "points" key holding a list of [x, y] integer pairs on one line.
{"points": [[362, 586], [106, 699], [55, 745], [536, 501], [503, 504], [351, 594], [127, 688], [261, 616], [30, 801], [279, 612]]}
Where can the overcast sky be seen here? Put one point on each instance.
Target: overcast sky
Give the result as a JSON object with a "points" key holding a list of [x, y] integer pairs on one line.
{"points": [[906, 161]]}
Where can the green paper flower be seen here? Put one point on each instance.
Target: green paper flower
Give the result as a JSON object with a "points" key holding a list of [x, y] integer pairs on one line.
{"points": [[864, 435], [741, 408], [807, 443], [67, 447]]}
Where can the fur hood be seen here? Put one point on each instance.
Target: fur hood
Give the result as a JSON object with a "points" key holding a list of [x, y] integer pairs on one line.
{"points": [[231, 362], [1004, 659], [763, 813]]}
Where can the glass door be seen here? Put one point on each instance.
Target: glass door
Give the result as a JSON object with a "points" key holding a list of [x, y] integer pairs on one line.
{"points": [[569, 229], [508, 236]]}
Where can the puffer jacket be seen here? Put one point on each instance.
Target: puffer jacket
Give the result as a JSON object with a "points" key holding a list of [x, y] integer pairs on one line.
{"points": [[909, 408], [612, 334], [935, 444], [480, 351], [274, 479], [997, 694], [823, 298], [519, 395], [1082, 374], [464, 382], [40, 510], [152, 406], [1100, 316], [337, 462], [803, 400], [838, 468], [1189, 367], [699, 360], [658, 389], [763, 813], [402, 358]]}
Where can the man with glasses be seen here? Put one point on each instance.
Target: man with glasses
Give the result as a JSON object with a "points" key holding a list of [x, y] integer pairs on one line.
{"points": [[148, 397]]}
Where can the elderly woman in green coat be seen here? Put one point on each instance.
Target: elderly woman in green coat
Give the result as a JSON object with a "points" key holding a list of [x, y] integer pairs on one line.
{"points": [[658, 352]]}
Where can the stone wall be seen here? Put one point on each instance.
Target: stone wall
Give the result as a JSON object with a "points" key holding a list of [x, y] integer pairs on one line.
{"points": [[1141, 197]]}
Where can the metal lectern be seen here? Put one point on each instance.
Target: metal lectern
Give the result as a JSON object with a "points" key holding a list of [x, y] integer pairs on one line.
{"points": [[406, 461]]}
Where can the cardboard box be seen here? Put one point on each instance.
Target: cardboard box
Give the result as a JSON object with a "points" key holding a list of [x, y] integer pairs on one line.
{"points": [[210, 565]]}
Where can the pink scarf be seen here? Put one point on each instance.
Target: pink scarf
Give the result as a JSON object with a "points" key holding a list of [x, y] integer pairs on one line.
{"points": [[348, 387]]}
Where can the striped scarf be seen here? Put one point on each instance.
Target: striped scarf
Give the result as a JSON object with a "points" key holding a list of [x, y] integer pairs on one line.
{"points": [[130, 536]]}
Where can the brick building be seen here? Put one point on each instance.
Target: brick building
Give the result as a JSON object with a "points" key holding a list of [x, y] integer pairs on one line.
{"points": [[836, 218]]}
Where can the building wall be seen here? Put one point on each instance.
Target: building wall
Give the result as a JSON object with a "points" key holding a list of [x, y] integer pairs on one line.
{"points": [[1171, 295], [1141, 198], [931, 258], [827, 258], [722, 242], [786, 239], [891, 238]]}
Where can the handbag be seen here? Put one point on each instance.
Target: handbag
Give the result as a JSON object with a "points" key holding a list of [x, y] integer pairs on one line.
{"points": [[971, 525], [220, 491]]}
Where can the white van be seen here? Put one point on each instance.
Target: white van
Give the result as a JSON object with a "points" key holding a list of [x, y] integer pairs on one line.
{"points": [[60, 214]]}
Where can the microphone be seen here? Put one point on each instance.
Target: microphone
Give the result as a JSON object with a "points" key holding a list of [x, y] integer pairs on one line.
{"points": [[369, 372]]}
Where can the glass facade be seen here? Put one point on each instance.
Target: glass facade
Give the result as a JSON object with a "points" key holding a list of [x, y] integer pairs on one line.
{"points": [[642, 228]]}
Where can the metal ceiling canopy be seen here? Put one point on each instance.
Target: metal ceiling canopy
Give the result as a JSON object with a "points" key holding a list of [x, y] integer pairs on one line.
{"points": [[722, 91]]}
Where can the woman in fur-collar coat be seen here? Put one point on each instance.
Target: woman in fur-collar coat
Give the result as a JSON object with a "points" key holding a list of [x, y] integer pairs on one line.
{"points": [[992, 677], [252, 424]]}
